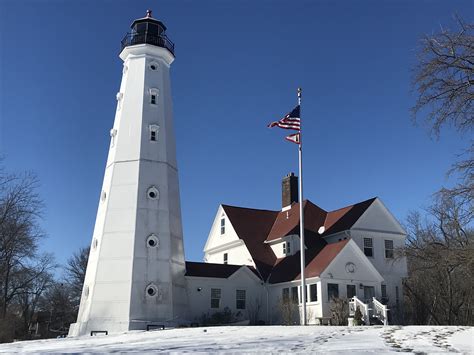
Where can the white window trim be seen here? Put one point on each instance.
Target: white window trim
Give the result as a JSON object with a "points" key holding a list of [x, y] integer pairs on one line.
{"points": [[222, 226], [157, 66], [385, 249], [156, 93], [372, 247], [153, 128]]}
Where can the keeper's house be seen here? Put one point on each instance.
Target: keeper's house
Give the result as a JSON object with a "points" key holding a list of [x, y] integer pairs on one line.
{"points": [[252, 260]]}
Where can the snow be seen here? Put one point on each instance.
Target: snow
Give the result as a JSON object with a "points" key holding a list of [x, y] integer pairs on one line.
{"points": [[251, 339]]}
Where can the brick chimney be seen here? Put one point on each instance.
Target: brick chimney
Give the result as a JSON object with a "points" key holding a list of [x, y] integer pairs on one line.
{"points": [[289, 190]]}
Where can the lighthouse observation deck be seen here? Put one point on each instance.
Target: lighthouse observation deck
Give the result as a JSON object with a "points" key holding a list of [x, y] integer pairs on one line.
{"points": [[148, 30]]}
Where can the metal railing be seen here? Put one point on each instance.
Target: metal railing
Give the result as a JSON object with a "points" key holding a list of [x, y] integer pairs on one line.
{"points": [[134, 38]]}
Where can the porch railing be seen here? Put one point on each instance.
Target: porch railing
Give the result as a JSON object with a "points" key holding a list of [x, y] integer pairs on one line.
{"points": [[380, 311], [355, 303]]}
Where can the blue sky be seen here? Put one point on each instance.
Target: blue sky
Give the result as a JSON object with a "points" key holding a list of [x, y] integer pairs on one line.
{"points": [[238, 64]]}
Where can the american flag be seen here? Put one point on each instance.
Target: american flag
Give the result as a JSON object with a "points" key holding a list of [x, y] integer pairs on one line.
{"points": [[290, 121]]}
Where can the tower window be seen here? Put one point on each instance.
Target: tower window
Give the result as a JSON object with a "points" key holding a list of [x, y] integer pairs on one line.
{"points": [[154, 129], [153, 193], [153, 66], [153, 96], [226, 258], [152, 241], [151, 290], [113, 133]]}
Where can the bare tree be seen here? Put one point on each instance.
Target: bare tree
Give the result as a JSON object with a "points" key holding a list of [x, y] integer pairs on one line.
{"points": [[254, 310], [440, 254], [76, 272], [289, 311], [444, 78], [20, 209], [444, 81], [339, 310]]}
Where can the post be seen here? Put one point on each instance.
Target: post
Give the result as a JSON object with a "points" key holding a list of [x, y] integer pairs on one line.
{"points": [[302, 251]]}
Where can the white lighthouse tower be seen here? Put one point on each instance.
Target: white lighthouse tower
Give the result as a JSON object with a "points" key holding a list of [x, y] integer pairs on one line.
{"points": [[135, 273]]}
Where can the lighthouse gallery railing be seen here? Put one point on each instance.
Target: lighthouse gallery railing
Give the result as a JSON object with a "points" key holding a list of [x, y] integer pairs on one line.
{"points": [[134, 38]]}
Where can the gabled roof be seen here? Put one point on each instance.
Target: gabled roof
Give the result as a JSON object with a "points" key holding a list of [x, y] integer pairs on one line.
{"points": [[287, 222], [253, 226], [222, 271], [317, 260], [344, 218]]}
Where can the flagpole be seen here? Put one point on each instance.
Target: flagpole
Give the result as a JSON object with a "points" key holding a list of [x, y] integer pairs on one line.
{"points": [[302, 245]]}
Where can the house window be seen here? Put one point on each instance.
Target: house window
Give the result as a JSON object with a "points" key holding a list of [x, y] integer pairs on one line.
{"points": [[286, 248], [226, 258], [222, 225], [384, 291], [333, 291], [368, 247], [240, 299], [285, 294], [294, 294], [351, 291], [389, 249], [313, 293], [215, 297]]}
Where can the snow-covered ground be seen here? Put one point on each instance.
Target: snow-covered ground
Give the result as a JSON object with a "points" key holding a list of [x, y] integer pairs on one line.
{"points": [[311, 339]]}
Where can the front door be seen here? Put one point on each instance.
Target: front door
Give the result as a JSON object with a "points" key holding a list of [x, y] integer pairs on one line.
{"points": [[369, 292]]}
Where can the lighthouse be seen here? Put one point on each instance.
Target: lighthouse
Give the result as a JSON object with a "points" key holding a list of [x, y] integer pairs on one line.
{"points": [[135, 273]]}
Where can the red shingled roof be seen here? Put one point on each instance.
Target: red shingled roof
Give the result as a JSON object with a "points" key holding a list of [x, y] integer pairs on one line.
{"points": [[287, 222], [256, 227], [317, 260], [253, 226]]}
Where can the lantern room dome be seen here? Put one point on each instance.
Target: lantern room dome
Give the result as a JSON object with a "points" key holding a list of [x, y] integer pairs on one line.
{"points": [[148, 30]]}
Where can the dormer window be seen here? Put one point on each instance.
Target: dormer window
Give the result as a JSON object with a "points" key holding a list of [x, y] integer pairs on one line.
{"points": [[154, 129], [222, 225], [286, 248], [154, 96]]}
